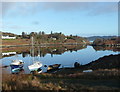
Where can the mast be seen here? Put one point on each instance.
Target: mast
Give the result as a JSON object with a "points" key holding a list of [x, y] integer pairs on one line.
{"points": [[32, 48]]}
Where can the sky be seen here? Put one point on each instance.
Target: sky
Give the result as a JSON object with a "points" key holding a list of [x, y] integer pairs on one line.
{"points": [[76, 18]]}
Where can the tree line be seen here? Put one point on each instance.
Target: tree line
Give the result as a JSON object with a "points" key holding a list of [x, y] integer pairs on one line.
{"points": [[52, 37]]}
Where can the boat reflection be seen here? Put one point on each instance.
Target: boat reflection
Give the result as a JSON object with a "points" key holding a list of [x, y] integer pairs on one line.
{"points": [[43, 51], [39, 70], [17, 70]]}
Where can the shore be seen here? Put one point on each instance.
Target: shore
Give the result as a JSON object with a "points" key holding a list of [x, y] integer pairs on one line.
{"points": [[68, 79], [27, 42], [79, 82]]}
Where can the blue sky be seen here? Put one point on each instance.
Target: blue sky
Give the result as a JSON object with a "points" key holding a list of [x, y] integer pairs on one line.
{"points": [[83, 19]]}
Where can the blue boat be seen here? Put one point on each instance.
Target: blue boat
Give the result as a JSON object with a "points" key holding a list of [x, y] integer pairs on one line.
{"points": [[16, 66]]}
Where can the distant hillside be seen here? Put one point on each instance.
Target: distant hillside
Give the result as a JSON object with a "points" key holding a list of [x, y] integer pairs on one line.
{"points": [[115, 41], [8, 34], [42, 37], [92, 38]]}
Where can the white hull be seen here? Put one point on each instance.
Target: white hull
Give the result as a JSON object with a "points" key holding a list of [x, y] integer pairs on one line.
{"points": [[17, 62], [35, 66]]}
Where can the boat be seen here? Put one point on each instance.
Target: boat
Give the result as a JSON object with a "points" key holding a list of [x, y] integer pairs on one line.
{"points": [[16, 64], [53, 67], [90, 70], [36, 64]]}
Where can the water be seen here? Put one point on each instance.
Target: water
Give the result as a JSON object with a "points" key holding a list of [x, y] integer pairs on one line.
{"points": [[66, 57]]}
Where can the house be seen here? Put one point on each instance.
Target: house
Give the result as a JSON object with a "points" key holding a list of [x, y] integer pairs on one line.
{"points": [[53, 38], [8, 37], [8, 53]]}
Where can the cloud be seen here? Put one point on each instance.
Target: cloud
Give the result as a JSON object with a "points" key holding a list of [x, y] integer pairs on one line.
{"points": [[19, 7], [95, 8], [16, 27], [92, 8], [6, 6]]}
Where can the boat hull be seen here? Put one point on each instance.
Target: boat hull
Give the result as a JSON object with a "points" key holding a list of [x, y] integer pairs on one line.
{"points": [[16, 66], [35, 66]]}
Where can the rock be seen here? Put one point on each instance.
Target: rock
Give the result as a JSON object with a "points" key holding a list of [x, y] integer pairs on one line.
{"points": [[76, 65]]}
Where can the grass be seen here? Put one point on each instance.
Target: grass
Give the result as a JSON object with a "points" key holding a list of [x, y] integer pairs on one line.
{"points": [[8, 39], [56, 82]]}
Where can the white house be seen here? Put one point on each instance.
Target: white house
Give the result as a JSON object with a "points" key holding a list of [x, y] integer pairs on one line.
{"points": [[8, 53], [53, 38], [8, 37]]}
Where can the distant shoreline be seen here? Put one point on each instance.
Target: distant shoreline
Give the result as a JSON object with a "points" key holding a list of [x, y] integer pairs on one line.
{"points": [[43, 44]]}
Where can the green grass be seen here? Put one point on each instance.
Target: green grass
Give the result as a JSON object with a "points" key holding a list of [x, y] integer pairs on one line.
{"points": [[8, 39]]}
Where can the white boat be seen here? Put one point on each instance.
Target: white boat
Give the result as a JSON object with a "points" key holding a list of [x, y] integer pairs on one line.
{"points": [[87, 70], [17, 62], [36, 64]]}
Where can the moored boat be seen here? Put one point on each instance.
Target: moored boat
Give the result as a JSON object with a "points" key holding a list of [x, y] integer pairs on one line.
{"points": [[53, 67], [16, 64], [36, 64]]}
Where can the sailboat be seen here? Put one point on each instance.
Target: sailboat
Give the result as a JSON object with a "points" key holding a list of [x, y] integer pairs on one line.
{"points": [[36, 64]]}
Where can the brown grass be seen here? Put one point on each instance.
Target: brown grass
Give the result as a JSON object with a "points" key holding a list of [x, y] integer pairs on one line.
{"points": [[94, 81]]}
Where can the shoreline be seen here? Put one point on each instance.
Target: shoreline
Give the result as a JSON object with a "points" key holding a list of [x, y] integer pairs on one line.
{"points": [[55, 44], [43, 44], [69, 79]]}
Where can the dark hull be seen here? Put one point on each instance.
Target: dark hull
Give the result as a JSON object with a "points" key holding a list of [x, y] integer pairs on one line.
{"points": [[16, 66]]}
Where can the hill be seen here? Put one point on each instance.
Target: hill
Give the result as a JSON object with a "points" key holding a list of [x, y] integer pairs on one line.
{"points": [[8, 34], [42, 38], [115, 41], [92, 38]]}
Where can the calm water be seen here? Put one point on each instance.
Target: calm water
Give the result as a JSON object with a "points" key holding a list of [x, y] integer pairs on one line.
{"points": [[66, 58]]}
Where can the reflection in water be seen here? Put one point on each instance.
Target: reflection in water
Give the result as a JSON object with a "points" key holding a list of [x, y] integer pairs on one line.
{"points": [[17, 70], [25, 54], [66, 56], [8, 53], [43, 51], [103, 48], [39, 70], [55, 50]]}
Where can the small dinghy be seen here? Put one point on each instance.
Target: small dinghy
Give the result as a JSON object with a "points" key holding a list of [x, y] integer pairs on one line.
{"points": [[87, 70], [35, 66], [53, 67], [16, 64]]}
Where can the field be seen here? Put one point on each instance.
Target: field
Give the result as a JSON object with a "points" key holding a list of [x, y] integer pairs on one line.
{"points": [[15, 42]]}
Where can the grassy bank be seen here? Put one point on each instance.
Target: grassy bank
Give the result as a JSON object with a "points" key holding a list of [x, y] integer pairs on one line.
{"points": [[93, 81], [19, 42]]}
